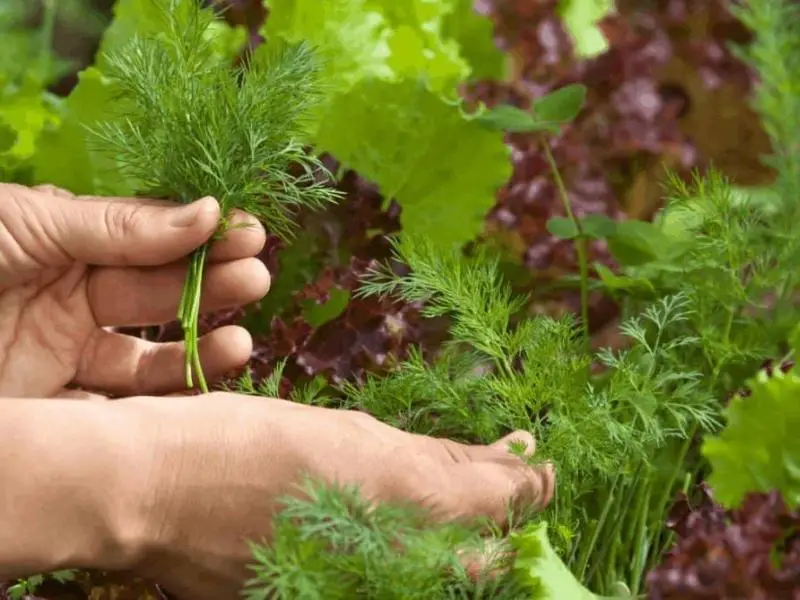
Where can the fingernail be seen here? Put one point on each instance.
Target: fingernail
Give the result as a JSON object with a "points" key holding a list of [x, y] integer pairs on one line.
{"points": [[188, 215]]}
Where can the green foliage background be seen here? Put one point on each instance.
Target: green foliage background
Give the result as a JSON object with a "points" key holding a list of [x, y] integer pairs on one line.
{"points": [[707, 291]]}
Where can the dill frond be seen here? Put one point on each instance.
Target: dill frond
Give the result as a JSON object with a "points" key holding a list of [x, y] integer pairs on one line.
{"points": [[190, 125], [332, 543]]}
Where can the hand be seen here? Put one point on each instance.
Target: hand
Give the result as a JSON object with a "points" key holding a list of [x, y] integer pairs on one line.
{"points": [[72, 266], [206, 471]]}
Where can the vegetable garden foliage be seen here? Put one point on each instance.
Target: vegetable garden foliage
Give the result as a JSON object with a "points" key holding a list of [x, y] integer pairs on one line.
{"points": [[707, 289]]}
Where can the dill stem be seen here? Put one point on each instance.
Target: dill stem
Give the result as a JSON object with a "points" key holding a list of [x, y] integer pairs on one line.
{"points": [[580, 240], [189, 317]]}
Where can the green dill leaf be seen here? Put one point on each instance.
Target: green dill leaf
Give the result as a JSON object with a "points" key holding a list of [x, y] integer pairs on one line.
{"points": [[193, 127]]}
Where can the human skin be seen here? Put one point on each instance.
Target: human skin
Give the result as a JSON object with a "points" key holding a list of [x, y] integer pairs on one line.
{"points": [[172, 487]]}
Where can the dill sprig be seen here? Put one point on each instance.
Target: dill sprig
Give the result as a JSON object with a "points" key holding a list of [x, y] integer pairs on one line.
{"points": [[334, 543], [191, 125]]}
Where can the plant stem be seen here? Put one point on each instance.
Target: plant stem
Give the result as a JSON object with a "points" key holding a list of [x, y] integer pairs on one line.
{"points": [[581, 246], [50, 9], [189, 316]]}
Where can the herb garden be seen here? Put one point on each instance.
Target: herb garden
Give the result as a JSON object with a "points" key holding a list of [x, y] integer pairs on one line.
{"points": [[572, 217]]}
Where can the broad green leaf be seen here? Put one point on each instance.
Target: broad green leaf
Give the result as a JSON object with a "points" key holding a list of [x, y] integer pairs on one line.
{"points": [[562, 228], [318, 314], [431, 53], [442, 168], [8, 137], [598, 227], [64, 159], [595, 227], [474, 33], [759, 449], [561, 105], [25, 110], [622, 283], [505, 117], [376, 39], [349, 35], [409, 56], [539, 568], [636, 242], [580, 20]]}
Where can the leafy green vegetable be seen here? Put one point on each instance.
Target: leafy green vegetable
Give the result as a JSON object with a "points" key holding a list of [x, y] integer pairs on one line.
{"points": [[474, 34], [391, 111], [421, 151], [505, 117], [187, 126], [581, 18], [540, 568], [334, 544], [549, 112], [759, 449], [561, 105], [65, 158]]}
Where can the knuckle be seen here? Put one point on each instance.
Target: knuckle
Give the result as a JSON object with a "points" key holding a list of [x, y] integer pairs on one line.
{"points": [[52, 190], [122, 220]]}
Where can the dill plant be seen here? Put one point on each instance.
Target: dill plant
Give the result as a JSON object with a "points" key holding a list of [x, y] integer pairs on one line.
{"points": [[190, 125], [623, 440]]}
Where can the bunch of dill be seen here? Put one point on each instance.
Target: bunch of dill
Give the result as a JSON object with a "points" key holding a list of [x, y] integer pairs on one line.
{"points": [[189, 124]]}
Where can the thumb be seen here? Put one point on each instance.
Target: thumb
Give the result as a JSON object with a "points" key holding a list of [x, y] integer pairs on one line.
{"points": [[128, 231]]}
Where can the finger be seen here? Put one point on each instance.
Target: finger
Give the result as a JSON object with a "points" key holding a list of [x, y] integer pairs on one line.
{"points": [[112, 232], [487, 561], [80, 395], [494, 490], [137, 297], [451, 452], [46, 188], [245, 236], [456, 452], [122, 365], [519, 437]]}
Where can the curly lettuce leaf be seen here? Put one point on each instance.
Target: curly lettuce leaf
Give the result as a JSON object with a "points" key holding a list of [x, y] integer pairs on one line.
{"points": [[25, 111], [64, 159], [443, 168], [580, 19], [759, 449], [389, 71], [351, 38], [474, 33], [538, 567]]}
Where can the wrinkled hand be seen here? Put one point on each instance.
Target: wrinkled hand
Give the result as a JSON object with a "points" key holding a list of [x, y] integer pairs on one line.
{"points": [[186, 480], [71, 266], [211, 468]]}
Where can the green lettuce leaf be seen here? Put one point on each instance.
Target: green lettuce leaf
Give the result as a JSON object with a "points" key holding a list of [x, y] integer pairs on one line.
{"points": [[580, 19], [759, 449], [25, 111], [474, 33], [442, 167], [390, 71], [64, 159], [351, 38], [539, 568]]}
